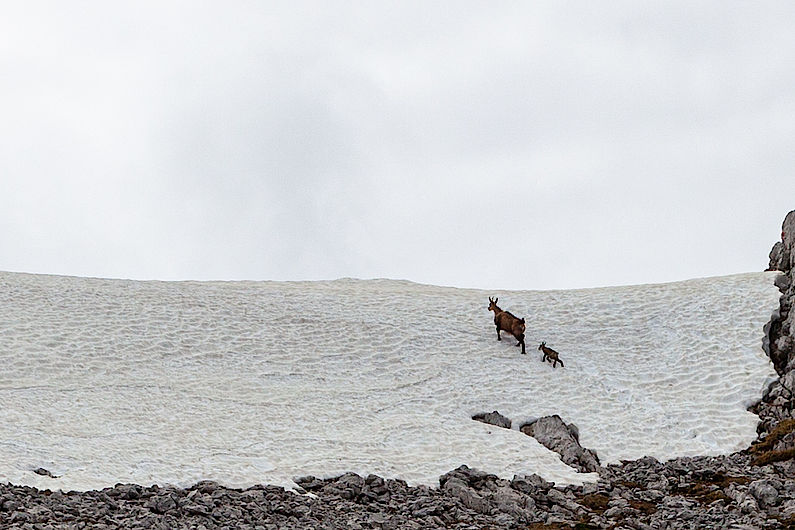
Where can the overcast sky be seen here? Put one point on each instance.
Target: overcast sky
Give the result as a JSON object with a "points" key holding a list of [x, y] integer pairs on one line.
{"points": [[519, 145]]}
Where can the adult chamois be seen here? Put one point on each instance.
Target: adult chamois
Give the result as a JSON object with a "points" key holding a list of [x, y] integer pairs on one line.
{"points": [[508, 322], [550, 355]]}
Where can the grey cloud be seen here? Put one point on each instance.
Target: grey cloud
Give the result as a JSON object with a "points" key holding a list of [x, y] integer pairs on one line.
{"points": [[511, 145]]}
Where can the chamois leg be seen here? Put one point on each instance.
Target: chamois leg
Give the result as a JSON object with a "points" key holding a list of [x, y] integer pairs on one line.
{"points": [[498, 332], [521, 342]]}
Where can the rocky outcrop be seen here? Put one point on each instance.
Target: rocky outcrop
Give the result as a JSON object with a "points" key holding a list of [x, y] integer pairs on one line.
{"points": [[777, 402], [493, 418], [703, 492], [779, 331], [553, 433], [44, 472], [782, 252], [465, 498]]}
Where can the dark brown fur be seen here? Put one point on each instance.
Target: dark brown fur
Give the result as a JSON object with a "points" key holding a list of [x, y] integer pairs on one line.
{"points": [[550, 355], [507, 322]]}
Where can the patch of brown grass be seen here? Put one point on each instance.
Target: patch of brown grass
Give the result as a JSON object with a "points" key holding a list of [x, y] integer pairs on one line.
{"points": [[788, 523], [764, 450], [595, 502], [734, 480], [774, 456], [713, 496], [709, 491], [560, 526], [646, 508], [783, 428]]}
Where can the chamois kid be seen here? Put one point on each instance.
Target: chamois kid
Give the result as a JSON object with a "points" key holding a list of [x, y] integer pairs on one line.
{"points": [[550, 355], [508, 322]]}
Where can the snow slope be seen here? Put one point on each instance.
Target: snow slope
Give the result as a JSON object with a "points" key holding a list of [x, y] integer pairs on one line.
{"points": [[107, 381]]}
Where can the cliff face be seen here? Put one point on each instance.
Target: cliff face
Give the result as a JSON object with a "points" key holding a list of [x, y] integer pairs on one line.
{"points": [[777, 403], [779, 331]]}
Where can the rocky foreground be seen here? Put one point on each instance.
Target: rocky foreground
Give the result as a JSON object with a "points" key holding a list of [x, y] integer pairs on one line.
{"points": [[753, 488]]}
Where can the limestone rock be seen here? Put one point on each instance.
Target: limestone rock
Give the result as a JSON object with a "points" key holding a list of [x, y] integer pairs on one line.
{"points": [[493, 418], [764, 492], [554, 434]]}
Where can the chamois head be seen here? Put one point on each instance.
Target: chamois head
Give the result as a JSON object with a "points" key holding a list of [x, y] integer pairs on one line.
{"points": [[493, 304], [540, 346]]}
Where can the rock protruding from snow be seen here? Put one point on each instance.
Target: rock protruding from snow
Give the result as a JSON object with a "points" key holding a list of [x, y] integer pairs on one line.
{"points": [[493, 418], [781, 256], [554, 434], [45, 472]]}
